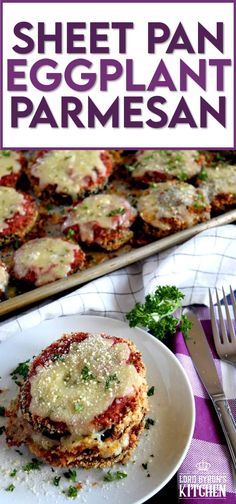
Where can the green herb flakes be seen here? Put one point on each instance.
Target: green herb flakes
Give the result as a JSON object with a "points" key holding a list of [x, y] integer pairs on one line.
{"points": [[5, 153], [149, 422], [78, 407], [203, 174], [86, 374], [10, 488], [21, 370], [49, 207], [71, 474], [182, 177], [111, 379], [72, 492], [116, 211], [58, 357], [56, 480], [13, 473], [151, 391], [114, 476], [70, 233], [34, 465]]}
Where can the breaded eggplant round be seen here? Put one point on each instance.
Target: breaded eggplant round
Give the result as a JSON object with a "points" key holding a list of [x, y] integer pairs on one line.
{"points": [[69, 174], [83, 402], [11, 163], [102, 219], [161, 165], [219, 185], [18, 214], [172, 206], [45, 260]]}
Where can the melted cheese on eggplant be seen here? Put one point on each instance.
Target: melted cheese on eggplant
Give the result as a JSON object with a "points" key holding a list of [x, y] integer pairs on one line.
{"points": [[80, 385], [221, 179], [4, 277], [175, 163], [49, 258], [69, 170], [11, 202], [108, 211], [171, 200], [9, 163]]}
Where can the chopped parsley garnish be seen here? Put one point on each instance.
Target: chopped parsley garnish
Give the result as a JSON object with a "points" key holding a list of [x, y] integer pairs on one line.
{"points": [[71, 474], [78, 407], [110, 380], [198, 204], [151, 391], [58, 357], [2, 429], [149, 422], [153, 185], [116, 211], [130, 168], [72, 492], [157, 313], [86, 374], [32, 466], [182, 176], [219, 157], [70, 233], [16, 244], [9, 168], [49, 207], [203, 174], [10, 488], [21, 370], [2, 411], [145, 465], [13, 473], [56, 480], [67, 157], [6, 153], [114, 476]]}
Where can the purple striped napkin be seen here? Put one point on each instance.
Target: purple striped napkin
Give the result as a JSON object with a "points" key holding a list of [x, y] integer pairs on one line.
{"points": [[207, 471]]}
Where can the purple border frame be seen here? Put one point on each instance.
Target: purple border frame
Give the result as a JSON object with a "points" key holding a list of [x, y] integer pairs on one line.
{"points": [[113, 1]]}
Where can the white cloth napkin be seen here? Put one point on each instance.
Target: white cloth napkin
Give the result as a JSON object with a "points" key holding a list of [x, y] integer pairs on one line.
{"points": [[207, 260]]}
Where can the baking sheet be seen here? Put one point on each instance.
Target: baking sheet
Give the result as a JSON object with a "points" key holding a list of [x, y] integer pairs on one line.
{"points": [[111, 264]]}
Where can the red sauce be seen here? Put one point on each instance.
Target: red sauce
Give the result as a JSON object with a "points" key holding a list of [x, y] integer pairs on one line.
{"points": [[18, 222]]}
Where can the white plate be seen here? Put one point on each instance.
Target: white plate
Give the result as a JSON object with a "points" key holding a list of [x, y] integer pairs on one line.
{"points": [[172, 408]]}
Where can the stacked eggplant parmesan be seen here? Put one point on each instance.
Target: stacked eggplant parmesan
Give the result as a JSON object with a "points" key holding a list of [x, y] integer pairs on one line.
{"points": [[83, 402], [65, 210]]}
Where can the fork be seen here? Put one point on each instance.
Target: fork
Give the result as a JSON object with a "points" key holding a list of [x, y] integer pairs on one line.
{"points": [[225, 338]]}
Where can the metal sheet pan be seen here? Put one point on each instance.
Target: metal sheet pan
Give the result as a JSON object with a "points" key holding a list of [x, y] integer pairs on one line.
{"points": [[24, 300]]}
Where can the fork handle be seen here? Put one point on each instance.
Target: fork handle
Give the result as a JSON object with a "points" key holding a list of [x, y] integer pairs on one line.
{"points": [[227, 422]]}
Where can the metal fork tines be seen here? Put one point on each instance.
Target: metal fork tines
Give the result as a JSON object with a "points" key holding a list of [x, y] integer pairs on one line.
{"points": [[224, 334]]}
